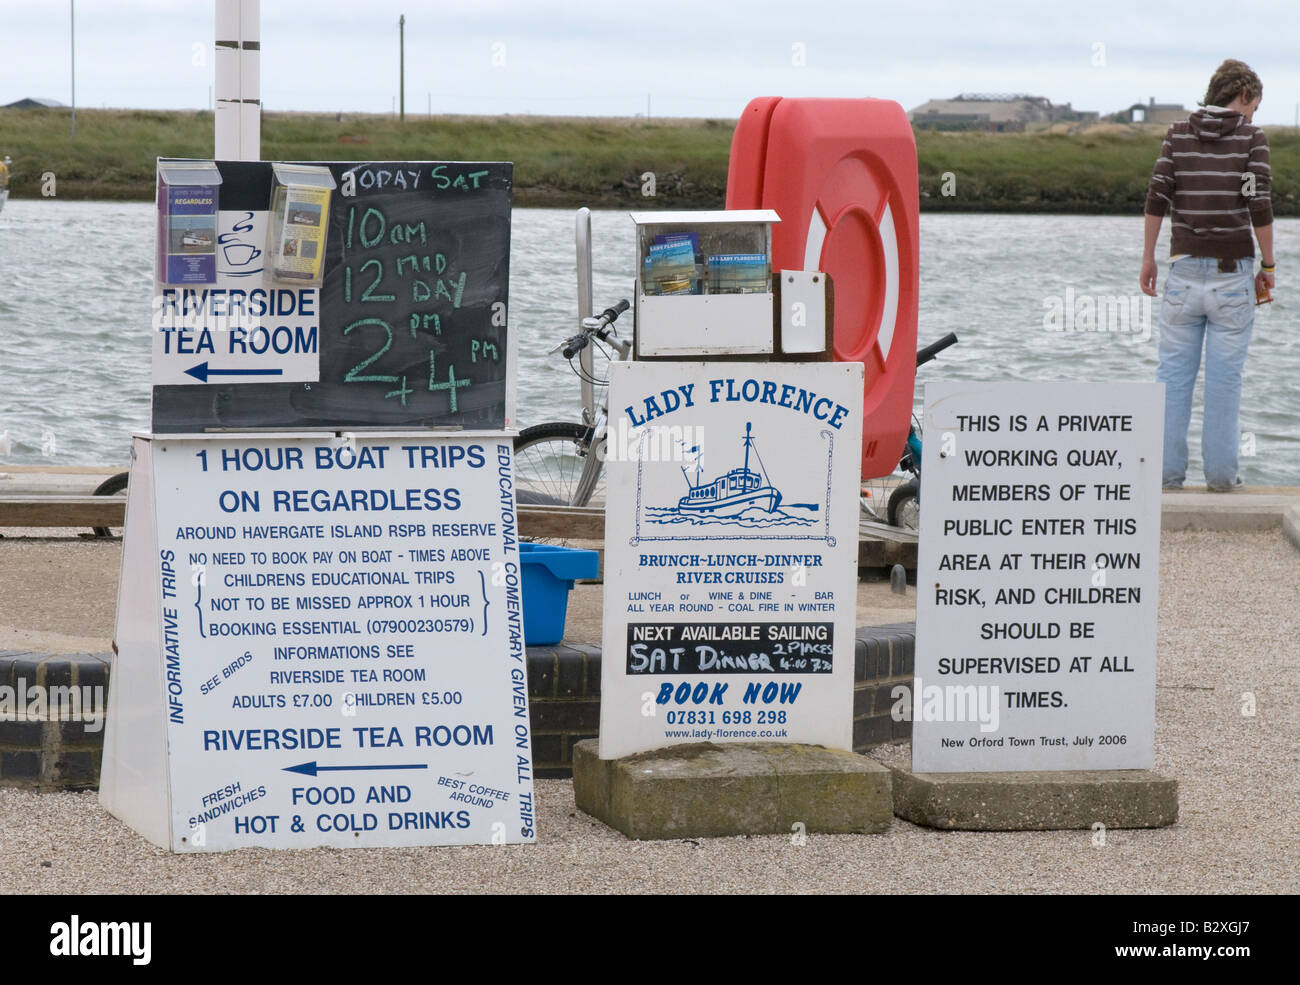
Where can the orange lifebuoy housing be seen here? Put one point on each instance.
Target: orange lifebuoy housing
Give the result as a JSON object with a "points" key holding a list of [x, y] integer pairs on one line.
{"points": [[841, 173]]}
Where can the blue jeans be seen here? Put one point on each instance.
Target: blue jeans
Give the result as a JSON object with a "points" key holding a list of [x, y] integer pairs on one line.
{"points": [[1203, 306]]}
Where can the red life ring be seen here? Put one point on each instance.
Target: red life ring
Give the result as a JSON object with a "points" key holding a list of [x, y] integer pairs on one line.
{"points": [[842, 175]]}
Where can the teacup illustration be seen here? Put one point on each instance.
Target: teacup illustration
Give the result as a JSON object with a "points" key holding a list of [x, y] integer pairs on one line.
{"points": [[240, 254]]}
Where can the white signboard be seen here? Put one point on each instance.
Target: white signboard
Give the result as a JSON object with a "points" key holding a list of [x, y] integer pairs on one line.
{"points": [[1037, 577], [336, 633], [731, 544], [245, 328]]}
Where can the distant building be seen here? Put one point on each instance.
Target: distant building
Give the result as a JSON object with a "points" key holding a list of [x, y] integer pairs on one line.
{"points": [[997, 112], [30, 103], [1154, 112]]}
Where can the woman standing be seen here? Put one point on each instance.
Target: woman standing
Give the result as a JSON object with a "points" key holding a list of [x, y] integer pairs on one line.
{"points": [[1213, 173]]}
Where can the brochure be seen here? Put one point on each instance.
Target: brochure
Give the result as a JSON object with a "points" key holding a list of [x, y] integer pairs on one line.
{"points": [[738, 273], [300, 205], [187, 222], [670, 266]]}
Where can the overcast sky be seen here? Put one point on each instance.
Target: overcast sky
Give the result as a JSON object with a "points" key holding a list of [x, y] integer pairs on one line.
{"points": [[689, 57]]}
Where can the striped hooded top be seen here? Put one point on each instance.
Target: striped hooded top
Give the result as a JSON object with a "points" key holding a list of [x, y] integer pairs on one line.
{"points": [[1213, 172]]}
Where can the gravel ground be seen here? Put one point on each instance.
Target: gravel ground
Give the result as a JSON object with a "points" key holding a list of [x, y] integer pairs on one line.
{"points": [[1227, 619]]}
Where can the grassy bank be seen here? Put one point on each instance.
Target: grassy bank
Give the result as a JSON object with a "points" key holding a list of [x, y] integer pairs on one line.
{"points": [[578, 161], [1101, 170], [599, 161]]}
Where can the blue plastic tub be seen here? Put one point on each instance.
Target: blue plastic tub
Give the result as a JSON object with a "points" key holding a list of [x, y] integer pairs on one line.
{"points": [[548, 576]]}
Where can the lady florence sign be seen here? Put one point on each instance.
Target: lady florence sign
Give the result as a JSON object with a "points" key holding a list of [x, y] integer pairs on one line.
{"points": [[731, 554]]}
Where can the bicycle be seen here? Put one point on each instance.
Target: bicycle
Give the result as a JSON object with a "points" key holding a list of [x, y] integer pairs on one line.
{"points": [[886, 500], [560, 463]]}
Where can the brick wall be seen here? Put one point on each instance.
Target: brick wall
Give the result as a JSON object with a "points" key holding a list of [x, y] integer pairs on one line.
{"points": [[37, 750], [563, 690], [884, 659]]}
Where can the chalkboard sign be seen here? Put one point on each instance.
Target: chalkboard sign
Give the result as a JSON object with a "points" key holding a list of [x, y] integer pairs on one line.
{"points": [[407, 328]]}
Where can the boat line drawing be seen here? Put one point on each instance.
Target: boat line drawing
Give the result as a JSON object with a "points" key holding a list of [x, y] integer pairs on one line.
{"points": [[734, 491], [731, 494]]}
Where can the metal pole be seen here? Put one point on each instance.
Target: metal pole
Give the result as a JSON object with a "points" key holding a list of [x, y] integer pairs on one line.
{"points": [[401, 62], [237, 116], [72, 5], [582, 243]]}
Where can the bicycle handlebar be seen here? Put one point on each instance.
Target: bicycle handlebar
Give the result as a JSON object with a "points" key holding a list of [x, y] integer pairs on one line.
{"points": [[574, 346], [577, 343], [934, 348], [610, 315]]}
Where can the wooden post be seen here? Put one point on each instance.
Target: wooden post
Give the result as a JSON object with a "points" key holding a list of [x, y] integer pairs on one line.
{"points": [[237, 69]]}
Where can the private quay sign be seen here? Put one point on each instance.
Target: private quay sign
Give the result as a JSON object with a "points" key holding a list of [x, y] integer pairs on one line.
{"points": [[320, 626], [1037, 576]]}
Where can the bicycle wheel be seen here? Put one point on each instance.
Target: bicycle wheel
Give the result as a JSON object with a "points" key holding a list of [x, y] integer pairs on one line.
{"points": [[110, 487], [905, 505], [549, 463], [874, 497]]}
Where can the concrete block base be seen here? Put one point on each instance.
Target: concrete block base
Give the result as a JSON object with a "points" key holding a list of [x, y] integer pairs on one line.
{"points": [[705, 790], [1035, 801]]}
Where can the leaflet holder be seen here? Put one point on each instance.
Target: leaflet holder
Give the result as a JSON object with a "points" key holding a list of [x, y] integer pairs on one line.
{"points": [[298, 222], [704, 284], [187, 222]]}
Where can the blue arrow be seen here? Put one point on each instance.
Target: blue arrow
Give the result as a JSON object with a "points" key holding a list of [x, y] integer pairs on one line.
{"points": [[311, 769], [201, 372]]}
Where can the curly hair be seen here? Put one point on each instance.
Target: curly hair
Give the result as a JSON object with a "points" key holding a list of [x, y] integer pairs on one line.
{"points": [[1230, 80]]}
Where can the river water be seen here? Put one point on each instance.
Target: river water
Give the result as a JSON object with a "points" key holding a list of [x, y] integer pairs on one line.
{"points": [[74, 320]]}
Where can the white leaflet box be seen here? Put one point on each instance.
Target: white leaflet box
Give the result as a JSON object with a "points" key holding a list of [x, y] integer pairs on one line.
{"points": [[704, 283]]}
